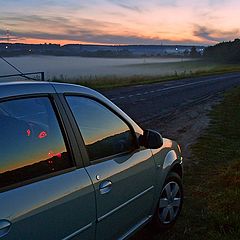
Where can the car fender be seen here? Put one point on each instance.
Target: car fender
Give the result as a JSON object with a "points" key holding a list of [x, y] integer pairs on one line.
{"points": [[170, 158], [165, 159]]}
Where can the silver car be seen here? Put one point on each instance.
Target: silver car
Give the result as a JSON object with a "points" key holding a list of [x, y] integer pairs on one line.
{"points": [[74, 166]]}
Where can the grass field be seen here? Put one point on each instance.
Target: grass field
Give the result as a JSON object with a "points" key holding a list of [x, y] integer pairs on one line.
{"points": [[160, 72], [212, 182]]}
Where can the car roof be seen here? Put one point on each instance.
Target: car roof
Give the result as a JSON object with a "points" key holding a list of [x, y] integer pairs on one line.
{"points": [[19, 88], [23, 88]]}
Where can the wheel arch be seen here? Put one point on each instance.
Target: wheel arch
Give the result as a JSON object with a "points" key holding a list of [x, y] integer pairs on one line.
{"points": [[177, 168]]}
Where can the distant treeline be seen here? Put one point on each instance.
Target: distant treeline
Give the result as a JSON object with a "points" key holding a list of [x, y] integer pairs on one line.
{"points": [[86, 50], [224, 52]]}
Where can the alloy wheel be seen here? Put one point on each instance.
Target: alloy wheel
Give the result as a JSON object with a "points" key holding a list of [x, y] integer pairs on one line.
{"points": [[170, 202]]}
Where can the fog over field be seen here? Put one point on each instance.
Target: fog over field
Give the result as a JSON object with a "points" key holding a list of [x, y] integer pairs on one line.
{"points": [[73, 67]]}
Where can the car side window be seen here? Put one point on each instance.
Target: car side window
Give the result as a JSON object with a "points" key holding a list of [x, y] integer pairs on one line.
{"points": [[103, 132], [31, 142]]}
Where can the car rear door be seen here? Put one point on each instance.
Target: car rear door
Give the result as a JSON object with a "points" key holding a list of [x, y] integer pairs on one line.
{"points": [[123, 174], [45, 193]]}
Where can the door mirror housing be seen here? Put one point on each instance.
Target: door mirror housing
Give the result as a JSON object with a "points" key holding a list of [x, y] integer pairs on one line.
{"points": [[151, 139]]}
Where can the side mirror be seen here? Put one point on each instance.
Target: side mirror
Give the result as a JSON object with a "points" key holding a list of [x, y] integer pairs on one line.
{"points": [[151, 139]]}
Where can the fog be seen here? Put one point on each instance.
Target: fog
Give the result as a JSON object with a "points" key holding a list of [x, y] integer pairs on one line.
{"points": [[73, 67]]}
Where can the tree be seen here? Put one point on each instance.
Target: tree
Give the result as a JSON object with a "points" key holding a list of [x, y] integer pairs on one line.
{"points": [[224, 52], [194, 53]]}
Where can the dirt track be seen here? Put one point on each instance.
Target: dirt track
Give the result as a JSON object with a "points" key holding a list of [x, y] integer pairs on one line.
{"points": [[185, 125]]}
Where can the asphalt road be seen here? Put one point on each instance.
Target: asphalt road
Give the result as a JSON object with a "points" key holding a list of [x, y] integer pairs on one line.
{"points": [[161, 100]]}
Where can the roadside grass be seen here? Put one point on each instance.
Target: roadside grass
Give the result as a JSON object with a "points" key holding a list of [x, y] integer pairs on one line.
{"points": [[176, 71], [212, 181]]}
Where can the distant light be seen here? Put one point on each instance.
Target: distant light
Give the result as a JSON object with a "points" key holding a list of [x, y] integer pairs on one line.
{"points": [[176, 49], [42, 134], [30, 50], [59, 155], [28, 132], [52, 154], [6, 47]]}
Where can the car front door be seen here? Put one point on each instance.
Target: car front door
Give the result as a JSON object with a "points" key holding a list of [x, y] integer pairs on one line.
{"points": [[122, 173], [43, 195]]}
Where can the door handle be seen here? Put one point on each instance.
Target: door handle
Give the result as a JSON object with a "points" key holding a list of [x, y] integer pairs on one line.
{"points": [[5, 226], [105, 187]]}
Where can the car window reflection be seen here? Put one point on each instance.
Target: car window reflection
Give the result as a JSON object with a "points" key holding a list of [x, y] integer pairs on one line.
{"points": [[31, 141], [103, 132]]}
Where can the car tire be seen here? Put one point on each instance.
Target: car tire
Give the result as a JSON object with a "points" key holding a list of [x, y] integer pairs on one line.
{"points": [[170, 203]]}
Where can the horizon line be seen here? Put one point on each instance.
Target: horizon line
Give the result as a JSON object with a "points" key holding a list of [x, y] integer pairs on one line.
{"points": [[110, 45]]}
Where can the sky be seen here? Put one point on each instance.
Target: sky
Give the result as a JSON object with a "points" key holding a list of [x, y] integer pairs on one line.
{"points": [[195, 22]]}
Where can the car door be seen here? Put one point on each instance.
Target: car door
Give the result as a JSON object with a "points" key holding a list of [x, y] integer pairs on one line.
{"points": [[123, 174], [45, 193]]}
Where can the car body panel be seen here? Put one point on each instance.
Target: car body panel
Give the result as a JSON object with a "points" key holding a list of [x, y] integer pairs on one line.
{"points": [[13, 89], [170, 158], [65, 202], [165, 159], [130, 198]]}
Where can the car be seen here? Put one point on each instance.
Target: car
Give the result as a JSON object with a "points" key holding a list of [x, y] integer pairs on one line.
{"points": [[75, 166]]}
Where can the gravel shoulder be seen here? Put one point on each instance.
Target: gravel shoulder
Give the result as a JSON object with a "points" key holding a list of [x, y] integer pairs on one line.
{"points": [[185, 125]]}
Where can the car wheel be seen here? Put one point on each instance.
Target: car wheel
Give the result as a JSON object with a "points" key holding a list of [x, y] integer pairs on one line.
{"points": [[170, 203]]}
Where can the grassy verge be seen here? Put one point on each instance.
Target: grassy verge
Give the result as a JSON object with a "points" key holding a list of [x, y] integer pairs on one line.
{"points": [[176, 71], [212, 182]]}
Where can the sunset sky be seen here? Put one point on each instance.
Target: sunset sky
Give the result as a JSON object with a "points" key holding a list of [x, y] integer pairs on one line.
{"points": [[120, 21]]}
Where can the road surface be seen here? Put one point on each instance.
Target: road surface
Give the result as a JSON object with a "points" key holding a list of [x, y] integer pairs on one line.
{"points": [[146, 102]]}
